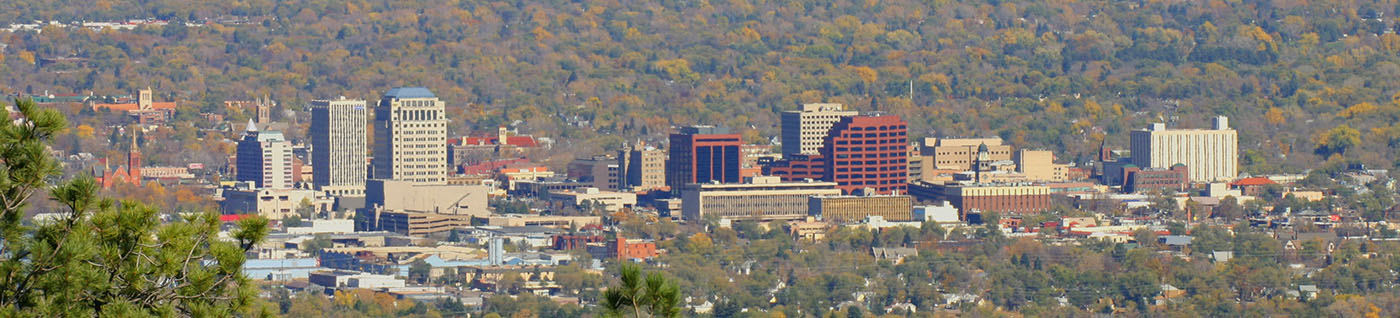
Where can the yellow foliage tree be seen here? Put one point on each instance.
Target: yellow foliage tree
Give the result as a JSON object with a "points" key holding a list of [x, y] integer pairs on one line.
{"points": [[1362, 108]]}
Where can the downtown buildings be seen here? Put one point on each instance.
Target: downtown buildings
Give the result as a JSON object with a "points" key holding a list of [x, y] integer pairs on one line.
{"points": [[410, 136], [264, 158], [339, 139], [868, 153], [703, 154], [804, 130], [1210, 155]]}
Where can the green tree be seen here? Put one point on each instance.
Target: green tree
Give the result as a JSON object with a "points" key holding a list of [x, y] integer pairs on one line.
{"points": [[101, 257], [1338, 140], [419, 271], [652, 297]]}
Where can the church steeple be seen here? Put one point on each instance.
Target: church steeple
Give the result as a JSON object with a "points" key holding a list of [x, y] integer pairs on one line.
{"points": [[133, 160]]}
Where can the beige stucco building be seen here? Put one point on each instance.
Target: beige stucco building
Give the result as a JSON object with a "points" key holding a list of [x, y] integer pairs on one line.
{"points": [[612, 201], [1039, 165], [641, 168], [273, 204], [959, 154], [454, 199]]}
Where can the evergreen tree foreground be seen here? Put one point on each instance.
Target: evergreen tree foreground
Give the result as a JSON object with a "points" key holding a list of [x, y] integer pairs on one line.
{"points": [[100, 257]]}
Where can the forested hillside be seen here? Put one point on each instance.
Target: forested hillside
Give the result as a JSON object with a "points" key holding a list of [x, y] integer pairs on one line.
{"points": [[1056, 74]]}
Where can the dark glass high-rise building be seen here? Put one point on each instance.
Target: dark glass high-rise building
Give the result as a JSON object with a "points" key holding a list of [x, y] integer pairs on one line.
{"points": [[701, 154]]}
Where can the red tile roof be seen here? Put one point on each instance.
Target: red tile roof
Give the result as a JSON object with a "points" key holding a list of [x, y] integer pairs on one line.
{"points": [[518, 141], [1255, 181]]}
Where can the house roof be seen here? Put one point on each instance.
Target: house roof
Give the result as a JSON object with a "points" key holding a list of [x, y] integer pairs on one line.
{"points": [[518, 141], [1176, 240], [409, 92], [1254, 181]]}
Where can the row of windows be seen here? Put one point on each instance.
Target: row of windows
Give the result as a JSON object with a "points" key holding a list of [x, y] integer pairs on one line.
{"points": [[869, 169], [896, 127], [873, 135], [872, 175], [417, 103], [871, 155], [892, 141], [411, 153], [418, 114], [871, 162], [872, 148]]}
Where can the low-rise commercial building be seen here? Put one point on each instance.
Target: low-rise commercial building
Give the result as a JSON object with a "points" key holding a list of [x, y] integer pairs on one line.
{"points": [[852, 208], [554, 221], [410, 223], [274, 204], [998, 198], [623, 249], [1139, 180], [760, 199], [611, 201], [453, 199]]}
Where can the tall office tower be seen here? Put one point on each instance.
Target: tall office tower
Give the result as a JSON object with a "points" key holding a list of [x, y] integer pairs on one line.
{"points": [[701, 154], [868, 151], [642, 167], [339, 141], [265, 158], [410, 137], [1210, 155], [804, 130]]}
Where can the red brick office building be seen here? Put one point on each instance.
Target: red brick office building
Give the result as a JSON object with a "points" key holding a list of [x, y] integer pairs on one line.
{"points": [[868, 151], [701, 154]]}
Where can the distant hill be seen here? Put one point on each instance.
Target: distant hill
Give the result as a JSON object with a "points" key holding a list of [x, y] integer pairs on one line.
{"points": [[1057, 74]]}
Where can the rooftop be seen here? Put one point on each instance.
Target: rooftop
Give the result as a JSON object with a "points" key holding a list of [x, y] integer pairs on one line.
{"points": [[409, 92]]}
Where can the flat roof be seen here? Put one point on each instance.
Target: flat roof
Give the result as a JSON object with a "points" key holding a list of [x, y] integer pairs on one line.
{"points": [[409, 92]]}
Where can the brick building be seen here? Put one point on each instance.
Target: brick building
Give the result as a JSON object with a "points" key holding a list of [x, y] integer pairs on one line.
{"points": [[701, 154], [1139, 180], [624, 249], [868, 151]]}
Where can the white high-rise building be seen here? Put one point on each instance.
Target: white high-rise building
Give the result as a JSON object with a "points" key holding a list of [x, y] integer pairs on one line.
{"points": [[410, 137], [805, 130], [339, 140], [265, 158], [1210, 155]]}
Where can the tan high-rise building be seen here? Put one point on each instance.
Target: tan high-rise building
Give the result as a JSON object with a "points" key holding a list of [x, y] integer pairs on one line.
{"points": [[410, 137], [641, 167], [338, 143], [960, 153], [1210, 155], [804, 130], [1039, 165]]}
